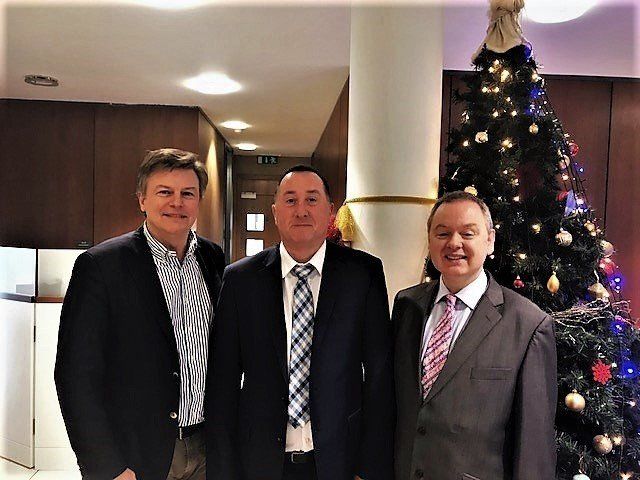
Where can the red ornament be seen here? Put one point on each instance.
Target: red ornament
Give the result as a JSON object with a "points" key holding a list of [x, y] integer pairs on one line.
{"points": [[518, 283], [607, 266], [562, 196], [573, 148], [601, 372]]}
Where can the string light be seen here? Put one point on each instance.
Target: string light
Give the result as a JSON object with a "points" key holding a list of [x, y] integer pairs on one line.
{"points": [[495, 114], [516, 198], [514, 113], [535, 227], [496, 89], [522, 256], [504, 76], [485, 89], [491, 69], [565, 176], [465, 143]]}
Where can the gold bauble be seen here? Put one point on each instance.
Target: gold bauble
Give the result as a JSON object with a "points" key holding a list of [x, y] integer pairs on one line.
{"points": [[482, 137], [602, 444], [597, 290], [564, 238], [472, 190], [590, 226], [607, 248], [575, 402], [533, 128], [553, 284]]}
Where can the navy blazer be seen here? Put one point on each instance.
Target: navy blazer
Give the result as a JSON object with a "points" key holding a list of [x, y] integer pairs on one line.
{"points": [[117, 362], [352, 400]]}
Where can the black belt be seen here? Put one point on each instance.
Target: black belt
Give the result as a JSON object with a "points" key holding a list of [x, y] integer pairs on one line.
{"points": [[184, 432], [299, 457]]}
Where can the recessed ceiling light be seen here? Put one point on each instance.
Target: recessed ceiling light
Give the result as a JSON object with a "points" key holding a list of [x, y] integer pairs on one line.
{"points": [[212, 84], [41, 80], [248, 147], [554, 11], [173, 4], [236, 125]]}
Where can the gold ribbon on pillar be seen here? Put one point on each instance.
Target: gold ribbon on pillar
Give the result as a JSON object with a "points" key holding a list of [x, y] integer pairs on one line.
{"points": [[344, 219]]}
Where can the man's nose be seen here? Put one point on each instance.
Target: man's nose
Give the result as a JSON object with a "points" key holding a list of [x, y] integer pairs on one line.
{"points": [[301, 210], [177, 200], [455, 241]]}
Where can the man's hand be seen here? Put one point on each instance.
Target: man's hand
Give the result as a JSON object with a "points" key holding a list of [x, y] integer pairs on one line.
{"points": [[126, 475]]}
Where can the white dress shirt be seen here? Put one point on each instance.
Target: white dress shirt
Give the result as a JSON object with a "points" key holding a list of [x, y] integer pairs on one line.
{"points": [[299, 439], [468, 298]]}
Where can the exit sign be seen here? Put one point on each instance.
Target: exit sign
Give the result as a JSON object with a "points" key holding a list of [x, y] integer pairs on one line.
{"points": [[267, 160]]}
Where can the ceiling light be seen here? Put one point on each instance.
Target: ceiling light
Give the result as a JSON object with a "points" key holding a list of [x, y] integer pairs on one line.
{"points": [[236, 125], [41, 80], [552, 11], [248, 147], [172, 4], [212, 84]]}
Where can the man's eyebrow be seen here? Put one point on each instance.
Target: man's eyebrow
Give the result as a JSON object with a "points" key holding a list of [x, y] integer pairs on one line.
{"points": [[169, 187]]}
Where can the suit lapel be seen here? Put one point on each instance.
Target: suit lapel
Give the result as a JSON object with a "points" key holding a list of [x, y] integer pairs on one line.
{"points": [[329, 290], [274, 306], [210, 278], [484, 318], [143, 270]]}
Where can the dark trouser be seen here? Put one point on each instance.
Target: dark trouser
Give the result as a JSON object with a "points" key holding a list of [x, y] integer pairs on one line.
{"points": [[189, 458], [305, 470]]}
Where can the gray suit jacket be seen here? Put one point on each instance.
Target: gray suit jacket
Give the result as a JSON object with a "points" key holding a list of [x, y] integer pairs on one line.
{"points": [[490, 413]]}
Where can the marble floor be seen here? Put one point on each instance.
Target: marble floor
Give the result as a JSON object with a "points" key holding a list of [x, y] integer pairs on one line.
{"points": [[13, 471]]}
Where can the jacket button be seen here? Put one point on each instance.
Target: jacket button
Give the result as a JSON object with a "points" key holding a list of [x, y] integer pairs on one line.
{"points": [[175, 374], [419, 473], [173, 415], [422, 430], [279, 439]]}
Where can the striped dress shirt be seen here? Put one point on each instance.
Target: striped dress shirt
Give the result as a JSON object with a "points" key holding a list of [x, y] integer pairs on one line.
{"points": [[189, 305]]}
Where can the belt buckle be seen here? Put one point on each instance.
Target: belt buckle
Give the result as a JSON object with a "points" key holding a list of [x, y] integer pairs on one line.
{"points": [[295, 455]]}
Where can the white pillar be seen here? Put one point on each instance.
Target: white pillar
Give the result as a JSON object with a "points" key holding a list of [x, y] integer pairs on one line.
{"points": [[395, 103]]}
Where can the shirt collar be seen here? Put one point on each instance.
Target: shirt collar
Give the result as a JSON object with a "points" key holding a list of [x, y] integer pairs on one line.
{"points": [[471, 294], [159, 251], [287, 262]]}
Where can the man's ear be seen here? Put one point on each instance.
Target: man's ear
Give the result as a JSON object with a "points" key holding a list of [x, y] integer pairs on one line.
{"points": [[273, 212], [141, 199]]}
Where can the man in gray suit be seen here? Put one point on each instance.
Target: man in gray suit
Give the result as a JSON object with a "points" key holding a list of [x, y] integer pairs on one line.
{"points": [[475, 363]]}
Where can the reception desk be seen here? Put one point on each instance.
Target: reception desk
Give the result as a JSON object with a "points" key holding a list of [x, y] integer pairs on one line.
{"points": [[32, 287]]}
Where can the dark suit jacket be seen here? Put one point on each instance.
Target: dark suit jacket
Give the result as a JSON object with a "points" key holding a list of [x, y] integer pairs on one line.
{"points": [[490, 413], [117, 364], [352, 414]]}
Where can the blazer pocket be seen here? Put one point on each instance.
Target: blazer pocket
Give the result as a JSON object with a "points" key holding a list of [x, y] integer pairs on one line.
{"points": [[466, 476], [489, 374]]}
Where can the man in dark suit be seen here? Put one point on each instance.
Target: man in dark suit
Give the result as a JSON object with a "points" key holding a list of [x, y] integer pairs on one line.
{"points": [[132, 348], [300, 376], [475, 363]]}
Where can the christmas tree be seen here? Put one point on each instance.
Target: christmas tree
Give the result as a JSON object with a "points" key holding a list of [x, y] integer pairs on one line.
{"points": [[511, 151]]}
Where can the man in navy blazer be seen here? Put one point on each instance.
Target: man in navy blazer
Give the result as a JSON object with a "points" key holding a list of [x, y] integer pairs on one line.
{"points": [[131, 363], [300, 376]]}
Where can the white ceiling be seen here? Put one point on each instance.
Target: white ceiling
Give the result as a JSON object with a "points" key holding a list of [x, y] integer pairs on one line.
{"points": [[292, 60]]}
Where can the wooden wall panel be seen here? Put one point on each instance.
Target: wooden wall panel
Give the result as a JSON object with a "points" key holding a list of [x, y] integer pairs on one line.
{"points": [[211, 152], [46, 174], [583, 108], [123, 135], [623, 194], [330, 156]]}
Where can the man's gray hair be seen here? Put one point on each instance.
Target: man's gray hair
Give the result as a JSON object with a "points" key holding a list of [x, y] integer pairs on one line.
{"points": [[459, 196]]}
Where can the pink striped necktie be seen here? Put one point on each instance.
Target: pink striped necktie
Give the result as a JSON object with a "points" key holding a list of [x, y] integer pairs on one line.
{"points": [[438, 347]]}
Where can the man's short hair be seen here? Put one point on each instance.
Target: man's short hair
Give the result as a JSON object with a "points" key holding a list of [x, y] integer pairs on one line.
{"points": [[306, 168], [459, 196], [170, 159]]}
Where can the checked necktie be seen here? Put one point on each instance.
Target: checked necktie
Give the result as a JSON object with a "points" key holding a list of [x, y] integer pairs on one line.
{"points": [[301, 338], [438, 347]]}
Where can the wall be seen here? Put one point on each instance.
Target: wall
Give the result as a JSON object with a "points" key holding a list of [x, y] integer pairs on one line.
{"points": [[330, 156], [69, 168]]}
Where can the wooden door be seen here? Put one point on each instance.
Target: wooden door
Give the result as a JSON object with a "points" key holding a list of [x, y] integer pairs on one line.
{"points": [[253, 225]]}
